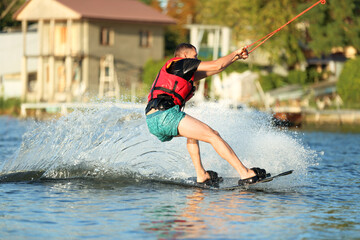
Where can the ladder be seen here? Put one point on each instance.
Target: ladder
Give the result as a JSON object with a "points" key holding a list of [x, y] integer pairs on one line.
{"points": [[109, 85]]}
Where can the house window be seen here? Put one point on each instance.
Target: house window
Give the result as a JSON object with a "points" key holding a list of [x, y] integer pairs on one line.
{"points": [[106, 37], [145, 39]]}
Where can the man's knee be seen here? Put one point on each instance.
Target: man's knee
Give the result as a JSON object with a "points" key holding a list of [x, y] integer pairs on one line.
{"points": [[215, 134], [192, 141]]}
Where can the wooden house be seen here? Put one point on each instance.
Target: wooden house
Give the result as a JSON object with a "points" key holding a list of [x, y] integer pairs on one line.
{"points": [[83, 41]]}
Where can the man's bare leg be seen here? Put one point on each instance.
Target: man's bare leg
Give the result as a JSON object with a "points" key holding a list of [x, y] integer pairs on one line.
{"points": [[194, 150], [192, 128]]}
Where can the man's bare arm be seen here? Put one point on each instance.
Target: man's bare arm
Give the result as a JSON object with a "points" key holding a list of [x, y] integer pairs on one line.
{"points": [[209, 68]]}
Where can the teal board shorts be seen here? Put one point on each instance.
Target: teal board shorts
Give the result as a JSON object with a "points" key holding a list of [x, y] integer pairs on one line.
{"points": [[164, 124]]}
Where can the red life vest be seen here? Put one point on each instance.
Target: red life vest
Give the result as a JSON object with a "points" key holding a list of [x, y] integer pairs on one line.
{"points": [[178, 88]]}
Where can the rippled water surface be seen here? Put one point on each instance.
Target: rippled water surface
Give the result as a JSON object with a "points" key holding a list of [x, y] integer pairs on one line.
{"points": [[90, 175]]}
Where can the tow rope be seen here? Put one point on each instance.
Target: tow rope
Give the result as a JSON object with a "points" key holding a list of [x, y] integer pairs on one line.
{"points": [[265, 38]]}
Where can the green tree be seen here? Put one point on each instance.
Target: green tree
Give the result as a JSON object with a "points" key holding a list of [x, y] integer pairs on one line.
{"points": [[348, 85], [7, 9], [184, 11], [153, 3], [335, 24], [251, 20]]}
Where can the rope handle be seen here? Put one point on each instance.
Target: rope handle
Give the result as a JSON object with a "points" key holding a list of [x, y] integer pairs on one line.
{"points": [[265, 38]]}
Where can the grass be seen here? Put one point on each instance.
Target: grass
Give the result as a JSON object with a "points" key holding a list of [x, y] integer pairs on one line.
{"points": [[10, 106]]}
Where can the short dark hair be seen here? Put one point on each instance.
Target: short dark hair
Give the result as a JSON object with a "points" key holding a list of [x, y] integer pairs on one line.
{"points": [[182, 47]]}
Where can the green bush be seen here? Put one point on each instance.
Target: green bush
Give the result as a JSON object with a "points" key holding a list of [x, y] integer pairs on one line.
{"points": [[271, 81], [151, 69], [313, 75], [348, 86], [297, 77], [10, 105], [237, 67]]}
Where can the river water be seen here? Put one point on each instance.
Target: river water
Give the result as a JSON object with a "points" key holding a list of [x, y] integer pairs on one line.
{"points": [[90, 175]]}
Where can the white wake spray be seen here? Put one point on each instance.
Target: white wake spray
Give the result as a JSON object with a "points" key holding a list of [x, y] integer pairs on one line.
{"points": [[115, 142]]}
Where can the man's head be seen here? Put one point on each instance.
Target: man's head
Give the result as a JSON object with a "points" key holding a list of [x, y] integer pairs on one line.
{"points": [[185, 50]]}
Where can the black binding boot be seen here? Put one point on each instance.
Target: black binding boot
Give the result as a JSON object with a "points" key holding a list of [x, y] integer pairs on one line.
{"points": [[260, 175], [213, 181]]}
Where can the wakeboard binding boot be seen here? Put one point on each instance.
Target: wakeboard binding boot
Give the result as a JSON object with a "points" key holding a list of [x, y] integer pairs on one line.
{"points": [[260, 174], [213, 181]]}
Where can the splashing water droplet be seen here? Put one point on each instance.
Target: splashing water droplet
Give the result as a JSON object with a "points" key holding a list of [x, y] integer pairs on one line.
{"points": [[115, 142]]}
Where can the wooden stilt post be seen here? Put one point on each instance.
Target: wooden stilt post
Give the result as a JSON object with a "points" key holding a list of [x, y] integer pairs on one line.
{"points": [[24, 73], [68, 61]]}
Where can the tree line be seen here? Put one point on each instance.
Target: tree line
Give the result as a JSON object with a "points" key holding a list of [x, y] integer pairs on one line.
{"points": [[325, 29], [335, 24]]}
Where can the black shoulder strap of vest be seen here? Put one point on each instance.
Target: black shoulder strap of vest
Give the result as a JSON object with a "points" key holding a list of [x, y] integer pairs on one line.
{"points": [[154, 84]]}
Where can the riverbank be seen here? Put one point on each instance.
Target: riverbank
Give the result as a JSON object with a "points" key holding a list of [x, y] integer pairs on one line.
{"points": [[346, 121], [332, 117], [317, 119]]}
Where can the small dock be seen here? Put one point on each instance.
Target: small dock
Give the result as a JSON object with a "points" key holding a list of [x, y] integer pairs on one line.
{"points": [[337, 117], [298, 116]]}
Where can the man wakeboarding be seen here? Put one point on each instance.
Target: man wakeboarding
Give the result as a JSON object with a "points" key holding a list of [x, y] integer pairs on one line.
{"points": [[172, 88]]}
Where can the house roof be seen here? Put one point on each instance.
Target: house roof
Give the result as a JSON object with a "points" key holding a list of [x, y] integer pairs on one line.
{"points": [[119, 10]]}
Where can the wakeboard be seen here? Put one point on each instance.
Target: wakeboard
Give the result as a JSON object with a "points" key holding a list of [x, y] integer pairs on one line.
{"points": [[228, 183]]}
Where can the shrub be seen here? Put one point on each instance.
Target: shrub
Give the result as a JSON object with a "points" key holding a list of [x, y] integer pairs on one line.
{"points": [[10, 105], [348, 86], [151, 69], [297, 77], [313, 75], [237, 67], [271, 81]]}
